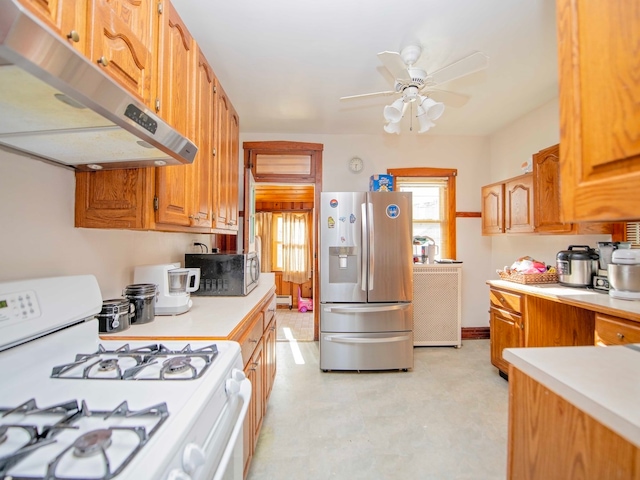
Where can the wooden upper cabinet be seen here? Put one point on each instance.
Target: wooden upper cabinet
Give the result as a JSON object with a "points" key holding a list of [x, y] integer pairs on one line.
{"points": [[546, 179], [234, 144], [227, 135], [176, 70], [176, 62], [518, 204], [203, 173], [123, 38], [67, 17], [115, 198], [493, 209], [599, 114]]}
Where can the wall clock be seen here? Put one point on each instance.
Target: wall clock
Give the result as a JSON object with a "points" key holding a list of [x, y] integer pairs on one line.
{"points": [[355, 164]]}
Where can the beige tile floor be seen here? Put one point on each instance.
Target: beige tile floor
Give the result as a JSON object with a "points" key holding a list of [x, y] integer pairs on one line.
{"points": [[444, 420], [294, 325]]}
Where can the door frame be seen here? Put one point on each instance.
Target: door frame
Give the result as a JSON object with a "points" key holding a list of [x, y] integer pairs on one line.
{"points": [[251, 149]]}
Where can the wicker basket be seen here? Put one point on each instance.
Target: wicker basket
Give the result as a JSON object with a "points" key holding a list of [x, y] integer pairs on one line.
{"points": [[529, 278]]}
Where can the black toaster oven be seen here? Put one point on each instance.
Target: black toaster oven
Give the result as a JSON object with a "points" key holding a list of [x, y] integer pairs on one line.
{"points": [[225, 274]]}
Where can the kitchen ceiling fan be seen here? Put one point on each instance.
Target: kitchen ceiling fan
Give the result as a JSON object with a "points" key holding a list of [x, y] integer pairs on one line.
{"points": [[415, 85]]}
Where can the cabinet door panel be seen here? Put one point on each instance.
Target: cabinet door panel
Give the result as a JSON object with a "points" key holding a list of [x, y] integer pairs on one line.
{"points": [[546, 175], [506, 332], [493, 209], [599, 118], [222, 167], [203, 172], [114, 198], [65, 17], [519, 205], [177, 63], [122, 43]]}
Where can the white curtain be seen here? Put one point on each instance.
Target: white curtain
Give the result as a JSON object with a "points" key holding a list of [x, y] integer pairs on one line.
{"points": [[295, 247], [263, 231]]}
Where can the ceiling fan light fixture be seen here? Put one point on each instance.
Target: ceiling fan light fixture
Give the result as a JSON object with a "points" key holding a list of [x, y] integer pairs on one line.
{"points": [[393, 113], [434, 109], [392, 128]]}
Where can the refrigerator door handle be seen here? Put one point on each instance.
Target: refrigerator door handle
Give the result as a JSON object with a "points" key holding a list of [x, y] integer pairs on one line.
{"points": [[368, 308], [370, 252], [340, 339], [364, 259]]}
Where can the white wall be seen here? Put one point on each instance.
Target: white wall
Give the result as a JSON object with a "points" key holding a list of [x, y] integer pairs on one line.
{"points": [[38, 239], [509, 148], [470, 155]]}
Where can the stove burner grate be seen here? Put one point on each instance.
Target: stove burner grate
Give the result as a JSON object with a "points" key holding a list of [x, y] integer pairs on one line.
{"points": [[95, 442], [116, 364]]}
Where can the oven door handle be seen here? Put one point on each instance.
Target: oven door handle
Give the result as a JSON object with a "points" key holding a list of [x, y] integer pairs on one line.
{"points": [[244, 394]]}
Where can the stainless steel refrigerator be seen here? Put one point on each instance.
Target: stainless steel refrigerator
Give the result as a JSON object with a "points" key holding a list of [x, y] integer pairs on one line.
{"points": [[366, 281]]}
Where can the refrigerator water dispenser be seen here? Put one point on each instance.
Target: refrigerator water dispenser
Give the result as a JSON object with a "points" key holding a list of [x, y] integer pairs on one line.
{"points": [[343, 265]]}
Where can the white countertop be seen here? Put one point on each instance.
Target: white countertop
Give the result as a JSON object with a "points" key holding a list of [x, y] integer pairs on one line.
{"points": [[208, 318], [582, 297], [604, 382]]}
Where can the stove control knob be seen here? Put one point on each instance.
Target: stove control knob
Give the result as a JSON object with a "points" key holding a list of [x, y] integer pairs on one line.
{"points": [[192, 458], [177, 474], [232, 387], [238, 374]]}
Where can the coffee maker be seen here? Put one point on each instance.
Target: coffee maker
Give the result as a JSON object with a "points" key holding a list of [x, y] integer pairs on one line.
{"points": [[175, 285]]}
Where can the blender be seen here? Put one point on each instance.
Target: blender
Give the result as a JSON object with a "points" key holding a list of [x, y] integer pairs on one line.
{"points": [[175, 285]]}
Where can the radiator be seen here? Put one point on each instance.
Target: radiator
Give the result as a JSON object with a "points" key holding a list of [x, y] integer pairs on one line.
{"points": [[284, 300], [437, 295]]}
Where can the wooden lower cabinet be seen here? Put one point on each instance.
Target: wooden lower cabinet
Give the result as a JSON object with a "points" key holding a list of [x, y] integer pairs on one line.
{"points": [[257, 338], [615, 331], [552, 439], [518, 320], [507, 331]]}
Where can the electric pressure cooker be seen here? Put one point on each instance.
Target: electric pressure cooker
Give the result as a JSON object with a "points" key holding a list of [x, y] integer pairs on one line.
{"points": [[577, 266]]}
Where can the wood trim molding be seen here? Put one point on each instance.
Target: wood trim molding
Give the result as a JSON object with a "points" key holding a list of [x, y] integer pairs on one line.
{"points": [[476, 333], [423, 172], [468, 215]]}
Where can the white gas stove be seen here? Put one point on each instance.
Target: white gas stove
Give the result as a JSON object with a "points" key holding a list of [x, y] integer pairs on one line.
{"points": [[75, 407]]}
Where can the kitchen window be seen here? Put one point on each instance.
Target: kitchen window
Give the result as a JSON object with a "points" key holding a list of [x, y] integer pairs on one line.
{"points": [[633, 234], [434, 200], [290, 246]]}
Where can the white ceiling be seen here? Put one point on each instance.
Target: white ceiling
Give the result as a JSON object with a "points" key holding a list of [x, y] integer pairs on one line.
{"points": [[286, 63]]}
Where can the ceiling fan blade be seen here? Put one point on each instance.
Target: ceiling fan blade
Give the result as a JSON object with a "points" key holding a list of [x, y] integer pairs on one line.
{"points": [[394, 63], [375, 94], [450, 99], [473, 63]]}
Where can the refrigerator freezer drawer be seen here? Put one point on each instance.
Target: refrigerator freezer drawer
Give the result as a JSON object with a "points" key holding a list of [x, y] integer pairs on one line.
{"points": [[366, 351], [366, 317]]}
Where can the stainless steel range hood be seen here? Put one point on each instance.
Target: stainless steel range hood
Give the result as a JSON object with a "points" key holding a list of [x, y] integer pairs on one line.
{"points": [[56, 105]]}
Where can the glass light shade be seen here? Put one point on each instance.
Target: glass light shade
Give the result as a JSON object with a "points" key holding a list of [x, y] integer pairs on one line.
{"points": [[392, 128], [424, 121], [393, 112], [434, 109]]}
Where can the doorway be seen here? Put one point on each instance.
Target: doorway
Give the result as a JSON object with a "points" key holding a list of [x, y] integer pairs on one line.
{"points": [[288, 176]]}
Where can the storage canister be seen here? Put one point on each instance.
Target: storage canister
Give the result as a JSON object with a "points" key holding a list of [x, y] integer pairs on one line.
{"points": [[115, 315], [144, 297]]}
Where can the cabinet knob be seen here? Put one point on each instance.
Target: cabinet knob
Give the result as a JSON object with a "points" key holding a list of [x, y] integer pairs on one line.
{"points": [[73, 36], [253, 341], [522, 326], [103, 61], [620, 335]]}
